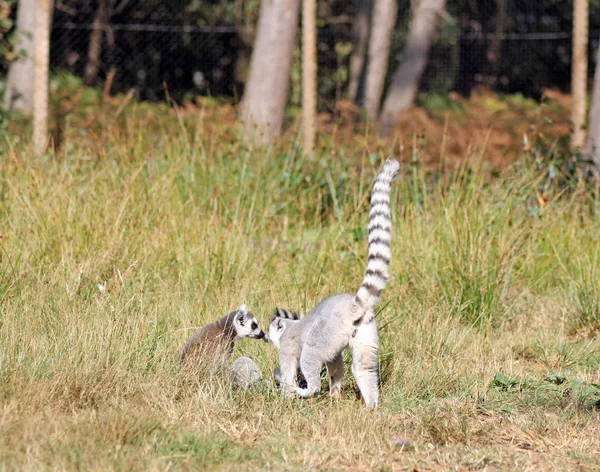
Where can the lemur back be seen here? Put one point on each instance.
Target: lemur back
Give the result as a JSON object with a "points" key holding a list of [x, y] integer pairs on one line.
{"points": [[345, 320]]}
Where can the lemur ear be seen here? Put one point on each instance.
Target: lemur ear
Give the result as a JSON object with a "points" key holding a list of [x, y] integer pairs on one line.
{"points": [[240, 319], [241, 308]]}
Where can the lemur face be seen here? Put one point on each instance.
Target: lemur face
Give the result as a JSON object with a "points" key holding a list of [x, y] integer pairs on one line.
{"points": [[246, 325], [276, 329]]}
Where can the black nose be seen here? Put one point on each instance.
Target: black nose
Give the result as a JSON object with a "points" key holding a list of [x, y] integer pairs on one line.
{"points": [[261, 335]]}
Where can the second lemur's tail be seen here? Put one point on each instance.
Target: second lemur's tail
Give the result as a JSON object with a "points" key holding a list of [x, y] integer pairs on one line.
{"points": [[380, 235], [285, 314]]}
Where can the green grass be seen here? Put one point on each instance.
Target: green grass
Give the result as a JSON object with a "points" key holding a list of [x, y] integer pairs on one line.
{"points": [[489, 348]]}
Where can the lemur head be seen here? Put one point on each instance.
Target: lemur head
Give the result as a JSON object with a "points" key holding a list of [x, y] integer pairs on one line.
{"points": [[276, 329], [278, 325], [246, 325]]}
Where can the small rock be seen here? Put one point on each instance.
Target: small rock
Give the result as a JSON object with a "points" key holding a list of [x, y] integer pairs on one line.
{"points": [[403, 444], [245, 372]]}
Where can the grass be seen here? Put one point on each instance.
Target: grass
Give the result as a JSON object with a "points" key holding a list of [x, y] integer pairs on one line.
{"points": [[489, 349]]}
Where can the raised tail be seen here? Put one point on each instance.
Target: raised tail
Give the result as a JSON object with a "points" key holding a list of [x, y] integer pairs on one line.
{"points": [[380, 235]]}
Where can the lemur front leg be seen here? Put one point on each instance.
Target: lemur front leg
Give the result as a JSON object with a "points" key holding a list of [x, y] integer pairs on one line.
{"points": [[288, 371]]}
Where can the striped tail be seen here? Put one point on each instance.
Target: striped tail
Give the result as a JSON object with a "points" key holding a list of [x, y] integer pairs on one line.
{"points": [[285, 314], [380, 235]]}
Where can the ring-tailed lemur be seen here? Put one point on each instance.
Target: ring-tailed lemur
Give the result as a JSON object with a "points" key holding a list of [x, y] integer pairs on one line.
{"points": [[345, 320], [219, 337], [280, 321]]}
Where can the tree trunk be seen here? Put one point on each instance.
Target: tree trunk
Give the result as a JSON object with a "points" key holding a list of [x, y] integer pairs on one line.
{"points": [[593, 139], [95, 46], [405, 81], [493, 52], [19, 86], [112, 70], [382, 26], [579, 72], [360, 32], [40, 75], [309, 74], [267, 88]]}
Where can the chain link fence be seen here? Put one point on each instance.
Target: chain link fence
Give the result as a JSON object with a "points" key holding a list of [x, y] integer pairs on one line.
{"points": [[507, 45]]}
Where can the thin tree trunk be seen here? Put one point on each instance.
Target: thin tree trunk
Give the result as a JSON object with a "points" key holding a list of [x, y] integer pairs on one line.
{"points": [[382, 26], [95, 46], [360, 32], [309, 74], [40, 79], [19, 87], [267, 88], [579, 73], [112, 71], [493, 52], [19, 83], [405, 81], [593, 139]]}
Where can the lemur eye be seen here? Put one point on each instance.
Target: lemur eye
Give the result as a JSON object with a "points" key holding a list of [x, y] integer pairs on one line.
{"points": [[254, 326]]}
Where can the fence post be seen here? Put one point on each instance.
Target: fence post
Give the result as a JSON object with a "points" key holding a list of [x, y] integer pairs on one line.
{"points": [[41, 39], [309, 74], [579, 65]]}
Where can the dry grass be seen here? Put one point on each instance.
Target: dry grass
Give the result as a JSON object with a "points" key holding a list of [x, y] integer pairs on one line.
{"points": [[487, 302]]}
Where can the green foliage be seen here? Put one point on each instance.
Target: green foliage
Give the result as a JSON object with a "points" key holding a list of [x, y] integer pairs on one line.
{"points": [[504, 382], [202, 450], [8, 52], [4, 122], [582, 273], [555, 391], [435, 103]]}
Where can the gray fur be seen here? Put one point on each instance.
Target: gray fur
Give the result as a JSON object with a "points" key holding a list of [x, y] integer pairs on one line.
{"points": [[280, 322], [282, 319], [344, 320]]}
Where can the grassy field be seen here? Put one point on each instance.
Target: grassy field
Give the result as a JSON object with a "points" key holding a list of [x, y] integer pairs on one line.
{"points": [[147, 226]]}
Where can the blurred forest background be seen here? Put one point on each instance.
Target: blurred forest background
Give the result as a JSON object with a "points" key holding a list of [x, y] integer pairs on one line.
{"points": [[204, 46], [185, 49]]}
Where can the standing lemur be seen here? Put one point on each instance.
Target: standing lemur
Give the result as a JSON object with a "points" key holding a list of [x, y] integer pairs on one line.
{"points": [[343, 320], [280, 321], [219, 337]]}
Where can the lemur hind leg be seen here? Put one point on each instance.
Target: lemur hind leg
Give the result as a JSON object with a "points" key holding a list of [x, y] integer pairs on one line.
{"points": [[365, 367], [335, 372], [310, 365]]}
